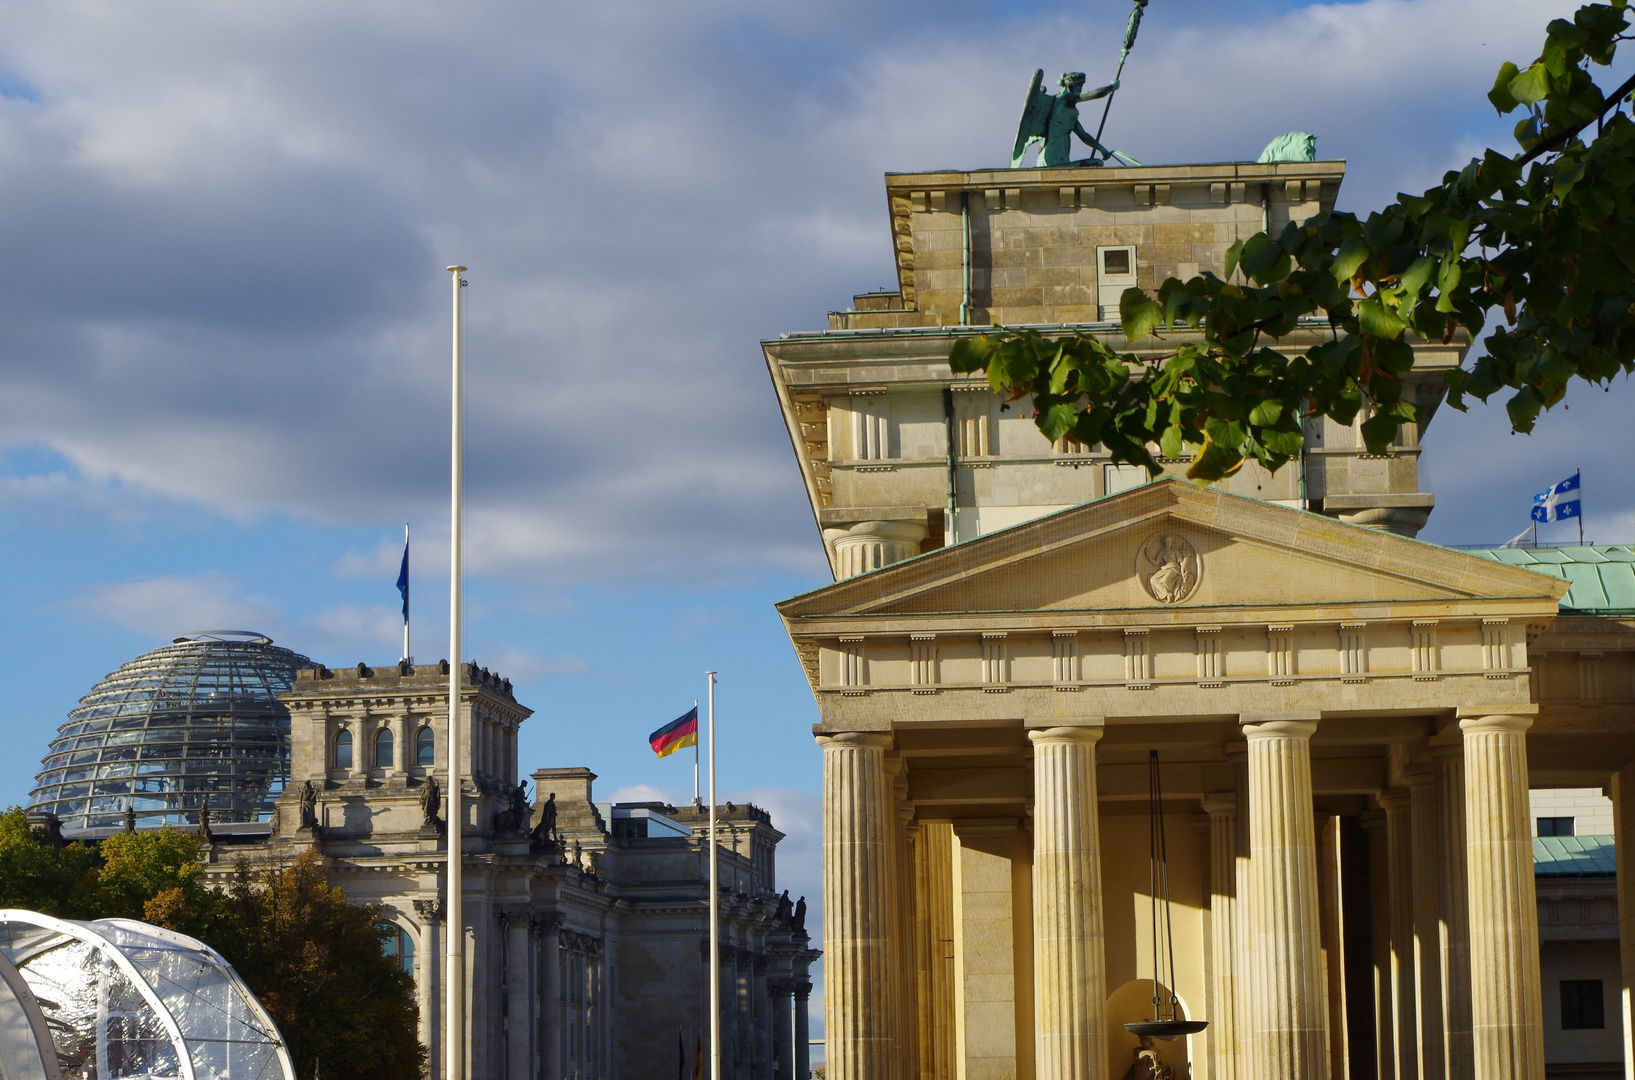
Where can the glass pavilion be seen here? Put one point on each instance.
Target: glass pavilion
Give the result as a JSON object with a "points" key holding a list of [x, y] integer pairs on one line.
{"points": [[196, 720], [122, 1000]]}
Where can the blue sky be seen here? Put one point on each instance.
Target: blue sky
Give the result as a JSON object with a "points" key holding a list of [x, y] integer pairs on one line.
{"points": [[222, 382]]}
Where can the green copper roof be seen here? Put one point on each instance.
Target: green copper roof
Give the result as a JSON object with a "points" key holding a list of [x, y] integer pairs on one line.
{"points": [[1573, 856], [1602, 575]]}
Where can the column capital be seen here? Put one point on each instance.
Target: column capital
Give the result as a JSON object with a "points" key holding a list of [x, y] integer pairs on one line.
{"points": [[1060, 735], [1421, 777], [1220, 803], [1496, 724], [1278, 725], [855, 740], [1372, 820]]}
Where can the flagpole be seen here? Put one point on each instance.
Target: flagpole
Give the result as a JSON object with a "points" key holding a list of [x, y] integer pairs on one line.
{"points": [[406, 653], [715, 910], [1577, 475], [454, 967], [695, 759]]}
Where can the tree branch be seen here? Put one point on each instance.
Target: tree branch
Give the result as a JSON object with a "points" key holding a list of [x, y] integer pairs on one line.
{"points": [[1612, 102]]}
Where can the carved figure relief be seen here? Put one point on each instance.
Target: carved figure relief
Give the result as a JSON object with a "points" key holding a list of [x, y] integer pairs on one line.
{"points": [[1168, 567]]}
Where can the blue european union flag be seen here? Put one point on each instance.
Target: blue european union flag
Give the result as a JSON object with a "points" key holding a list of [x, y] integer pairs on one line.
{"points": [[1559, 503], [403, 581]]}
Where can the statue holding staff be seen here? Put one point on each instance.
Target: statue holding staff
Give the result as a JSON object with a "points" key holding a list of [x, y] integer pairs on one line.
{"points": [[1053, 119]]}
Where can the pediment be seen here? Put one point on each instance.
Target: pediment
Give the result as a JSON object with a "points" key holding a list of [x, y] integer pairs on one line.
{"points": [[1171, 545]]}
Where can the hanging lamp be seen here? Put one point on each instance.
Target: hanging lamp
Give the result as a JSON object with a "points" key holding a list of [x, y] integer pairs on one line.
{"points": [[1166, 1023]]}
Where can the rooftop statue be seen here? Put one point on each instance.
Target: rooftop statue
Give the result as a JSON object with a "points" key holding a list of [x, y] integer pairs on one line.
{"points": [[1295, 146], [1053, 119]]}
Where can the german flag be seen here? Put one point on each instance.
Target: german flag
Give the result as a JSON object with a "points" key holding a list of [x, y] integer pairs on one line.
{"points": [[678, 734]]}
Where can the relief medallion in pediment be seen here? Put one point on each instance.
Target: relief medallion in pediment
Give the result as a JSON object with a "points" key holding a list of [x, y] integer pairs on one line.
{"points": [[1168, 567]]}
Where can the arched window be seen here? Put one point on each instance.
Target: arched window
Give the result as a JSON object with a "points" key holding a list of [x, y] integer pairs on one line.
{"points": [[343, 749], [383, 748], [399, 946], [425, 748]]}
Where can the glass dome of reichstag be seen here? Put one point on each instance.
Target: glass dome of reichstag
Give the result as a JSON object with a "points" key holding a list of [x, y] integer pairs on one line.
{"points": [[197, 719]]}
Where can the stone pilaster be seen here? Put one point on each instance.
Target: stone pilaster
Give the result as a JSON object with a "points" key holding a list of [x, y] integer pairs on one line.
{"points": [[520, 996], [907, 1013], [1287, 996], [934, 914], [1427, 905], [783, 1056], [803, 1031], [857, 904], [1070, 979], [1507, 1010], [1455, 912], [1398, 807], [1223, 943], [1623, 832]]}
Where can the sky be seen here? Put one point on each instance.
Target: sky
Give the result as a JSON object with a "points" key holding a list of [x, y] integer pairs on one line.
{"points": [[223, 376]]}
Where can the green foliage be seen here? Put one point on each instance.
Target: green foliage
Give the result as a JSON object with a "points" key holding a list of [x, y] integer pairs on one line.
{"points": [[36, 876], [1546, 237], [138, 866], [314, 960]]}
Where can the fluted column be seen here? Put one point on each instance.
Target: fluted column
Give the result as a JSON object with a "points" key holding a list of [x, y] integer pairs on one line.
{"points": [[1287, 996], [1427, 904], [857, 909], [1223, 943], [1507, 1010], [1070, 979], [907, 899], [1397, 805], [1455, 935], [1329, 885]]}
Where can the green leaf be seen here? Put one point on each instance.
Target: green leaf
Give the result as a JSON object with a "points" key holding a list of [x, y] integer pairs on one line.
{"points": [[1057, 421], [1267, 413], [971, 353], [1139, 313], [1378, 431], [1169, 444], [1500, 95], [1283, 442], [1531, 85], [1233, 255], [1353, 253], [1418, 275], [1376, 320]]}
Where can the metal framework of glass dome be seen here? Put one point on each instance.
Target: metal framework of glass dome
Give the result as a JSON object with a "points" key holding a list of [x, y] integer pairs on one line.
{"points": [[196, 720], [122, 1000]]}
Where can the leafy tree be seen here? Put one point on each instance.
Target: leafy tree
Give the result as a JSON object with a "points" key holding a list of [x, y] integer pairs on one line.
{"points": [[138, 867], [317, 963], [36, 875], [1546, 236]]}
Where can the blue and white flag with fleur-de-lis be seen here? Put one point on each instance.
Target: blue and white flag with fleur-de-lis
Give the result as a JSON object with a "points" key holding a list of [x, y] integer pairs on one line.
{"points": [[1559, 502]]}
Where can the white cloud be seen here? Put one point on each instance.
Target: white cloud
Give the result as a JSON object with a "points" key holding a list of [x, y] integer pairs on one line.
{"points": [[166, 606], [229, 223]]}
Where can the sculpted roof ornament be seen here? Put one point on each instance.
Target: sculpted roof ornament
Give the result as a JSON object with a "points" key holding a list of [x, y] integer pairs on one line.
{"points": [[1168, 567]]}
